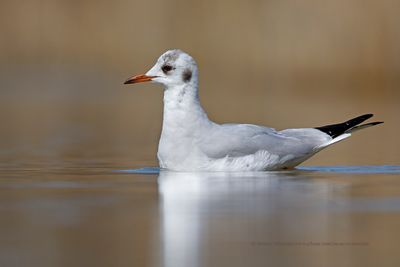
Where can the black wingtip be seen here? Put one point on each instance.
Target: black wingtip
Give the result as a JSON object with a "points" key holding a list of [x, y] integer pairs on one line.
{"points": [[364, 117], [363, 126], [334, 130], [376, 122]]}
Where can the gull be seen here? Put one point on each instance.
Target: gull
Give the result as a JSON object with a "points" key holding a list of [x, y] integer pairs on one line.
{"points": [[190, 141]]}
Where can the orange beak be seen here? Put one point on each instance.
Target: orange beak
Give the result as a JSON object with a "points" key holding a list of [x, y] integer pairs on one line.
{"points": [[139, 79]]}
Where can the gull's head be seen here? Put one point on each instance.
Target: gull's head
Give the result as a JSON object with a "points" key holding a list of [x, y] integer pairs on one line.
{"points": [[173, 68]]}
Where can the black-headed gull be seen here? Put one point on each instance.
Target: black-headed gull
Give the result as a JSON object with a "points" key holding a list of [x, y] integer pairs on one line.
{"points": [[191, 142]]}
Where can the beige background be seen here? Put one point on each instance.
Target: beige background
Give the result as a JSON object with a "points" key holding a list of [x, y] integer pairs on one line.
{"points": [[277, 63]]}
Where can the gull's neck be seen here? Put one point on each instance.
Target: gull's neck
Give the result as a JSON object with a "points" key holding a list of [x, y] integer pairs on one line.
{"points": [[182, 109]]}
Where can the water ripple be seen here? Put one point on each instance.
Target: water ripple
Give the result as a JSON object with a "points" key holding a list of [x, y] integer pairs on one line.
{"points": [[383, 169]]}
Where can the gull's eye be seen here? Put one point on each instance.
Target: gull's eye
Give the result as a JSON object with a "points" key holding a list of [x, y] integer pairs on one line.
{"points": [[166, 68]]}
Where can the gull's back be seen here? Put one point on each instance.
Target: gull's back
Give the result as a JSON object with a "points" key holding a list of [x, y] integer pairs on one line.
{"points": [[241, 140]]}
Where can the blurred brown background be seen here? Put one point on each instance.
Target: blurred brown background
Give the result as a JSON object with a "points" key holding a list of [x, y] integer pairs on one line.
{"points": [[277, 63]]}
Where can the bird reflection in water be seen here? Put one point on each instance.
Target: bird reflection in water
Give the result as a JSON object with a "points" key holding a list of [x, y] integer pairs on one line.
{"points": [[220, 216]]}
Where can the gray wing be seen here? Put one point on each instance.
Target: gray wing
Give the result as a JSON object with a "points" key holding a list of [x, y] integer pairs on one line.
{"points": [[237, 140]]}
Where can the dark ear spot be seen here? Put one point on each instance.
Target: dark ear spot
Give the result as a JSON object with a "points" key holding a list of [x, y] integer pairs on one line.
{"points": [[186, 75]]}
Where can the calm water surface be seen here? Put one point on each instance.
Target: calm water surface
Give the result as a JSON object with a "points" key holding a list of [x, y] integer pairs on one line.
{"points": [[108, 213]]}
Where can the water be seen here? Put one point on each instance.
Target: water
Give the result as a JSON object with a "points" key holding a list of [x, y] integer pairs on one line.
{"points": [[113, 213]]}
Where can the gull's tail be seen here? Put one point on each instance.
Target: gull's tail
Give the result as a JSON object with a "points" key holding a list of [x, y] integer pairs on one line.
{"points": [[343, 130]]}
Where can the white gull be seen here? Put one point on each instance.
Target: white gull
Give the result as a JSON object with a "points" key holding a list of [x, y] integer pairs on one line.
{"points": [[191, 142]]}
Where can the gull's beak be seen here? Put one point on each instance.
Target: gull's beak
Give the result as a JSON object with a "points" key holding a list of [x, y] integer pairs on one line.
{"points": [[139, 79]]}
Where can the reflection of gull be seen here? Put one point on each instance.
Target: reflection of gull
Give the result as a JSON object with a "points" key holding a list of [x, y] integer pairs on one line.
{"points": [[190, 141], [270, 218], [212, 213]]}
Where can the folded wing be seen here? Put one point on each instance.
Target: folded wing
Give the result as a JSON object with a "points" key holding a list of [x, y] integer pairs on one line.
{"points": [[236, 140]]}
